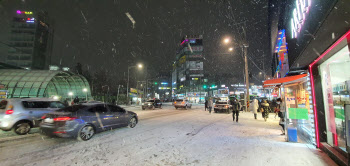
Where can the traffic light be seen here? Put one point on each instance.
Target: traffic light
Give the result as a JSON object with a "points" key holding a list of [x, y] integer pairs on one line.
{"points": [[155, 83], [212, 86], [205, 86]]}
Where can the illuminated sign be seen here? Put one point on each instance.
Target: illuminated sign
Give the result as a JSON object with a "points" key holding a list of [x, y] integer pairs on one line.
{"points": [[164, 88], [164, 83], [24, 12], [299, 14], [30, 20]]}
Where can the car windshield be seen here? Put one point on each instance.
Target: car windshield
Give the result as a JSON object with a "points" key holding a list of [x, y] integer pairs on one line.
{"points": [[221, 102], [73, 108], [150, 100], [179, 100]]}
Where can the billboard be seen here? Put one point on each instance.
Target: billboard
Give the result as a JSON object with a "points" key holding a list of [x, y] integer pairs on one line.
{"points": [[194, 48], [194, 65]]}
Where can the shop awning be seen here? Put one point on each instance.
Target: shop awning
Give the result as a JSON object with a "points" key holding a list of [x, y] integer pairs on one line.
{"points": [[280, 81]]}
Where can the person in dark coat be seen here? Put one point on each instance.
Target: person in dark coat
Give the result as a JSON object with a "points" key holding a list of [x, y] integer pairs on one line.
{"points": [[76, 100], [205, 105], [235, 108], [266, 109]]}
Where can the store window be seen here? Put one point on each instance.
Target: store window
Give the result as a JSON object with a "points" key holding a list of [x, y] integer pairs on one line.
{"points": [[299, 114], [335, 88]]}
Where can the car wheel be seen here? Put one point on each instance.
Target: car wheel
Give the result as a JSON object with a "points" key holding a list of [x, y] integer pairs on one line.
{"points": [[175, 107], [186, 107], [160, 107], [22, 128], [143, 108], [153, 107], [86, 133], [132, 122], [228, 111]]}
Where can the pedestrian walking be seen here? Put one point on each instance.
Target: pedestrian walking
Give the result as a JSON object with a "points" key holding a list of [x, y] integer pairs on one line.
{"points": [[210, 104], [265, 109], [281, 113], [205, 105], [255, 107], [235, 109]]}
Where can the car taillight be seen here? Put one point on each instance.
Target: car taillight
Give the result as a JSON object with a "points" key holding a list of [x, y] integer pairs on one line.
{"points": [[43, 117], [183, 103], [175, 102], [8, 112], [66, 118], [226, 106]]}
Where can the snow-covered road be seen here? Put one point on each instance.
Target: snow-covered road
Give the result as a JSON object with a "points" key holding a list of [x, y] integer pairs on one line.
{"points": [[169, 137]]}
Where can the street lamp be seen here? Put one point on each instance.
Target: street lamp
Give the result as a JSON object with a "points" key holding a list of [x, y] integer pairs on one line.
{"points": [[230, 49], [227, 40], [71, 95], [85, 90], [127, 85]]}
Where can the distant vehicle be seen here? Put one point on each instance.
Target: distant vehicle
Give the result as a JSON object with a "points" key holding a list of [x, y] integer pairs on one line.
{"points": [[152, 104], [222, 106], [182, 103], [22, 114], [84, 120]]}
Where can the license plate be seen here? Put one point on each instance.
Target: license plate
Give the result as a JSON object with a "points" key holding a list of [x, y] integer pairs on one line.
{"points": [[48, 120]]}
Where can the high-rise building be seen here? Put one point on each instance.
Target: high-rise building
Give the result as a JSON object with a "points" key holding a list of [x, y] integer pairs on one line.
{"points": [[188, 75], [30, 42]]}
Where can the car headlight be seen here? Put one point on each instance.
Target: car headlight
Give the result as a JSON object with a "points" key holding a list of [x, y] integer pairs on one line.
{"points": [[149, 104]]}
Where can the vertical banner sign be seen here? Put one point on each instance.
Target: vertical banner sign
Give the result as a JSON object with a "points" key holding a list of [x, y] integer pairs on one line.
{"points": [[329, 102]]}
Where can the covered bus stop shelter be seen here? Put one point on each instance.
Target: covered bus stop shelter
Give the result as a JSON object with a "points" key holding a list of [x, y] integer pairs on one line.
{"points": [[16, 83]]}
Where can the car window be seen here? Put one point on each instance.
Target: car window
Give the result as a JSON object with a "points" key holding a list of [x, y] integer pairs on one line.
{"points": [[179, 100], [99, 109], [150, 101], [114, 108], [36, 104], [73, 108], [3, 104], [56, 104]]}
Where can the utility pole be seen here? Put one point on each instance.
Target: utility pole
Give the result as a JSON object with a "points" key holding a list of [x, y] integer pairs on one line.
{"points": [[246, 75]]}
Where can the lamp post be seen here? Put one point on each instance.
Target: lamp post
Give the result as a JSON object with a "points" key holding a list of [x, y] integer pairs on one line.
{"points": [[127, 85], [244, 46], [71, 95], [85, 91]]}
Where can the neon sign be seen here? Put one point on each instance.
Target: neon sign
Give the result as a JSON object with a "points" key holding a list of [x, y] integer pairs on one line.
{"points": [[299, 14], [24, 12], [30, 20]]}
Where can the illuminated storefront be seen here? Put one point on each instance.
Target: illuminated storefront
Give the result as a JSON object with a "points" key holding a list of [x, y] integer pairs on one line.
{"points": [[331, 67]]}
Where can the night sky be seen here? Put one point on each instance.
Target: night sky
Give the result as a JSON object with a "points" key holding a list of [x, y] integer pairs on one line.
{"points": [[98, 34]]}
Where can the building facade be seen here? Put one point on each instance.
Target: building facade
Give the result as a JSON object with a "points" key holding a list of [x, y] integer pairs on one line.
{"points": [[188, 73], [30, 42], [317, 37]]}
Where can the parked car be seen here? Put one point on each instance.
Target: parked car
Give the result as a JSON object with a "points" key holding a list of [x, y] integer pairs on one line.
{"points": [[152, 104], [84, 120], [182, 103], [222, 106], [22, 114]]}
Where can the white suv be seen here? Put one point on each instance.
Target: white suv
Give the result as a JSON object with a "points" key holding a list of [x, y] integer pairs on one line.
{"points": [[22, 114], [182, 103]]}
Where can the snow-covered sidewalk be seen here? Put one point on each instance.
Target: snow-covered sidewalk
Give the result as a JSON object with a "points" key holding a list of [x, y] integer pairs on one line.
{"points": [[182, 137]]}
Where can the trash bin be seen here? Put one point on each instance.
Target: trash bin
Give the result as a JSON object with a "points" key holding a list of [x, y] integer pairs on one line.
{"points": [[292, 134]]}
